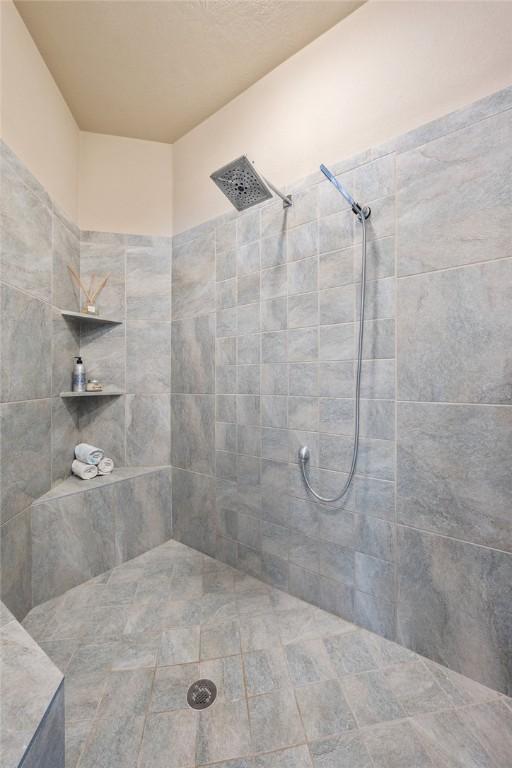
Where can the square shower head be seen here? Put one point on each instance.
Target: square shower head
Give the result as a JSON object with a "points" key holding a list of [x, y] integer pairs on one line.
{"points": [[241, 184]]}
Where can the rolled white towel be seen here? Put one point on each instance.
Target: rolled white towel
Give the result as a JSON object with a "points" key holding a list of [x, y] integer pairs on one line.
{"points": [[84, 471], [105, 466], [89, 454]]}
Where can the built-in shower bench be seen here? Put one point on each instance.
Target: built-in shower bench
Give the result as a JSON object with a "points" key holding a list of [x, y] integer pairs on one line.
{"points": [[32, 701], [82, 528]]}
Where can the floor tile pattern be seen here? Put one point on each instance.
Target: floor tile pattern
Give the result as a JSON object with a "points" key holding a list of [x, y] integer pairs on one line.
{"points": [[297, 687]]}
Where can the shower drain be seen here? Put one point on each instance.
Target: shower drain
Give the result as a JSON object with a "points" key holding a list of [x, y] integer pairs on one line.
{"points": [[201, 694]]}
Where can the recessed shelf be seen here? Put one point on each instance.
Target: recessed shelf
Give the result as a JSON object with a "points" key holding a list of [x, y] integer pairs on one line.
{"points": [[89, 318], [103, 393]]}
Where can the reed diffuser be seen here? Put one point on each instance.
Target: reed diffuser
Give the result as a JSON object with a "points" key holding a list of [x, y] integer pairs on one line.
{"points": [[91, 293]]}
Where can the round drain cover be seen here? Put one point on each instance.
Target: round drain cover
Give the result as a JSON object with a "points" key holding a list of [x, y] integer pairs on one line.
{"points": [[201, 694]]}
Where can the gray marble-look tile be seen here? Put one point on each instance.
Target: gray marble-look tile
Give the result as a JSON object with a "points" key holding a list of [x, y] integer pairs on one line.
{"points": [[148, 355], [336, 268], [439, 230], [274, 314], [220, 640], [193, 354], [336, 232], [225, 268], [303, 345], [193, 277], [193, 509], [302, 241], [374, 576], [454, 475], [225, 465], [226, 350], [294, 757], [148, 283], [274, 282], [65, 435], [303, 276], [248, 258], [248, 349], [461, 625], [26, 248], [225, 236], [171, 684], [72, 541], [248, 288], [102, 422], [136, 533], [25, 346], [451, 740], [308, 662], [248, 227], [303, 310], [16, 566], [65, 345], [105, 259], [103, 350], [337, 341], [273, 250], [375, 614], [193, 425], [275, 720], [454, 331], [396, 745], [371, 698], [25, 454], [248, 319], [337, 305], [265, 671], [223, 733], [169, 740], [346, 750], [148, 430], [416, 688], [324, 710], [65, 251]]}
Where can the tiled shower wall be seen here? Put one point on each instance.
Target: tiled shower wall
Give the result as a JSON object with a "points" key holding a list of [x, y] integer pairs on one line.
{"points": [[36, 348], [264, 325]]}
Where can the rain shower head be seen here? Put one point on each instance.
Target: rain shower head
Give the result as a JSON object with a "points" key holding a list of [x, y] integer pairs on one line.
{"points": [[243, 186]]}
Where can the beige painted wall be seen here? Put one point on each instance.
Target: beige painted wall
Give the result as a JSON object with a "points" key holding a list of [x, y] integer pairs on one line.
{"points": [[387, 68], [125, 185], [35, 120]]}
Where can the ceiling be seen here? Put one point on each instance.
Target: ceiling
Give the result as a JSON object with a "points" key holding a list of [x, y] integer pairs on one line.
{"points": [[154, 69]]}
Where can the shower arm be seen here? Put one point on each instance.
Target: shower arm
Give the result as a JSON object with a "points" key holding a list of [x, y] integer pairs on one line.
{"points": [[287, 199]]}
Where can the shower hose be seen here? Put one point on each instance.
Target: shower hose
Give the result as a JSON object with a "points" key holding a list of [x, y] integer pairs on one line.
{"points": [[304, 452]]}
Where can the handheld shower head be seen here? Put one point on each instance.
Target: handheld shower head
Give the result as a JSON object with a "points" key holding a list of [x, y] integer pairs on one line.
{"points": [[357, 209], [243, 185]]}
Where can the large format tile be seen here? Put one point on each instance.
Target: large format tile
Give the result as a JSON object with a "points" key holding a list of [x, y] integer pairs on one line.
{"points": [[142, 509], [193, 502], [275, 721], [25, 454], [193, 277], [65, 251], [26, 331], [454, 471], [464, 592], [193, 353], [102, 423], [148, 355], [148, 430], [26, 247], [72, 541], [169, 740], [100, 259], [148, 283], [16, 564], [193, 426], [454, 335], [437, 228], [324, 710]]}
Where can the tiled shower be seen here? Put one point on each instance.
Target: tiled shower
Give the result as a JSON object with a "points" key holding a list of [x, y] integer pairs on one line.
{"points": [[236, 346]]}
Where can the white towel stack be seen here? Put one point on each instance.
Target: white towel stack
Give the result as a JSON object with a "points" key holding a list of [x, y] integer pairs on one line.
{"points": [[105, 466], [83, 470], [89, 454], [90, 461]]}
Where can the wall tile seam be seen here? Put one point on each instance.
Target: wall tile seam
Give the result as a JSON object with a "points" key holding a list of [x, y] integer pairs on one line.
{"points": [[427, 532], [16, 514], [453, 403], [396, 577], [32, 296], [434, 271]]}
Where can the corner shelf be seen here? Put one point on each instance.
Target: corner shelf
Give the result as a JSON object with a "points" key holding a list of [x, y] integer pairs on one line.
{"points": [[103, 393], [83, 316]]}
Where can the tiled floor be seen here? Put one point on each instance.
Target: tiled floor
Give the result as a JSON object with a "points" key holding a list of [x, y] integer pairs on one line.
{"points": [[297, 687]]}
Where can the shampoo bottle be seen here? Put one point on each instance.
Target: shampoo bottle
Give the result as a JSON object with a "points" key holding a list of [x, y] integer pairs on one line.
{"points": [[78, 381]]}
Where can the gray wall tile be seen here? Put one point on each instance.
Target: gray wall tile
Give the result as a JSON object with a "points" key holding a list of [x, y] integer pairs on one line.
{"points": [[193, 277], [148, 430], [454, 471], [462, 590], [193, 428], [193, 352], [437, 229], [16, 564], [454, 335], [193, 501], [148, 356], [25, 454], [25, 346]]}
